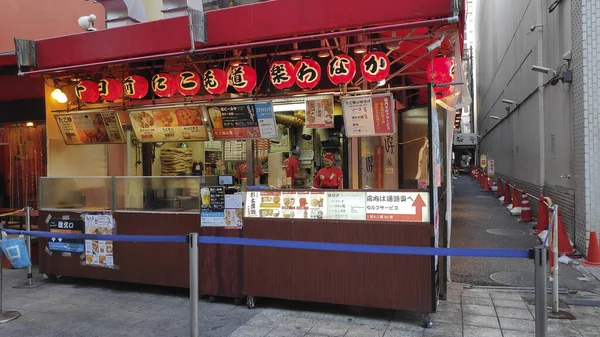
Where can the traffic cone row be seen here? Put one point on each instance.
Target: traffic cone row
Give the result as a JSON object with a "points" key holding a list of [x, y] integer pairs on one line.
{"points": [[526, 214], [593, 255], [542, 218]]}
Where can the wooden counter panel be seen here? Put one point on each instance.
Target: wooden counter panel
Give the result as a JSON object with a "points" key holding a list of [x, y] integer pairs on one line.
{"points": [[360, 279], [221, 266]]}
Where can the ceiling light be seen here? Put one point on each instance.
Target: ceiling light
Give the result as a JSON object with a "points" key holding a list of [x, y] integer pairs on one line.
{"points": [[381, 83], [29, 124], [494, 117], [297, 57], [323, 54], [59, 96], [360, 50], [542, 69]]}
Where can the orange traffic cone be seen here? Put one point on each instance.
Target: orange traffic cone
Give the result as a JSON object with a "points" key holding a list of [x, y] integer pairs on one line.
{"points": [[500, 191], [564, 245], [486, 185], [542, 218], [516, 202], [593, 255], [507, 194], [526, 214]]}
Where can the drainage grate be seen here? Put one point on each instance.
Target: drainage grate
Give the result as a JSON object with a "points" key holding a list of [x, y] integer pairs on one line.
{"points": [[505, 232]]}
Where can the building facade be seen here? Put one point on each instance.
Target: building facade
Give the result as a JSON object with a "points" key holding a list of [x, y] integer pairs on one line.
{"points": [[542, 128]]}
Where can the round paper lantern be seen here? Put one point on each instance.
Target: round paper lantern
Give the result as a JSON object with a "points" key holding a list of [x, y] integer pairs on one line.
{"points": [[135, 86], [87, 91], [163, 85], [188, 83], [215, 81], [307, 73], [281, 74], [441, 71], [375, 66], [242, 78], [341, 69], [110, 89]]}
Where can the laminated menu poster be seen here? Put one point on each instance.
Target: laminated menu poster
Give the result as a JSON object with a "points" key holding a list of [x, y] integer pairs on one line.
{"points": [[99, 252], [243, 121], [173, 124], [369, 115], [287, 204], [319, 113], [97, 127], [69, 226], [224, 210], [398, 206], [346, 205]]}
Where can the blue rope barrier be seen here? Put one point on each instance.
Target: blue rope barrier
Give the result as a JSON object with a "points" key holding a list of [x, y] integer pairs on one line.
{"points": [[324, 246]]}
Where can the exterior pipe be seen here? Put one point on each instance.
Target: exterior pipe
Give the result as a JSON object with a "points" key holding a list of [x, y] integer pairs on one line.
{"points": [[296, 39]]}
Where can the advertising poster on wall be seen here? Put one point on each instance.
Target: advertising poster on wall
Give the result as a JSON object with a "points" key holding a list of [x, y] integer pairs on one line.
{"points": [[369, 115], [98, 127], [74, 226], [242, 121], [173, 124], [398, 206], [319, 113], [212, 211], [99, 253]]}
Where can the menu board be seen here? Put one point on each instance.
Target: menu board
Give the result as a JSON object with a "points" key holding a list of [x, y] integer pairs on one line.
{"points": [[319, 113], [97, 127], [369, 115], [243, 121], [212, 211], [66, 226], [346, 206], [287, 204], [398, 206], [99, 252], [173, 124]]}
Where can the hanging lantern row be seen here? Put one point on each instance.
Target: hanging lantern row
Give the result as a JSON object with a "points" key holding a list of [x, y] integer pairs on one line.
{"points": [[441, 71]]}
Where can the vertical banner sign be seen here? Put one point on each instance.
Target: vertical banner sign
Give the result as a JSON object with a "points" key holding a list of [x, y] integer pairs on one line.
{"points": [[243, 121], [99, 252], [319, 113], [491, 167], [369, 115], [437, 156], [66, 226]]}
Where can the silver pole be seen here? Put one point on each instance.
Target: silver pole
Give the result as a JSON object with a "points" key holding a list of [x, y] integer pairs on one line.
{"points": [[540, 291], [5, 316], [28, 228], [555, 252], [193, 237]]}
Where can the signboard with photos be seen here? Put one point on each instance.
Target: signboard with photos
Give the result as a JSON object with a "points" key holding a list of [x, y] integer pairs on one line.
{"points": [[255, 120], [90, 127], [372, 115], [172, 124]]}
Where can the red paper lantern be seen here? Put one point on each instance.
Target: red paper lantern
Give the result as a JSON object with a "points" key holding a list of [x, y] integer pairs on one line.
{"points": [[242, 78], [307, 73], [87, 91], [375, 66], [135, 86], [282, 74], [215, 81], [188, 83], [163, 85], [341, 69], [110, 89], [441, 71]]}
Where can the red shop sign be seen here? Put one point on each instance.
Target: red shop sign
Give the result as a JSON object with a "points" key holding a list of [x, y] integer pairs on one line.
{"points": [[375, 66], [215, 81], [242, 78], [135, 86], [341, 69], [87, 91], [307, 73], [110, 89], [188, 83], [282, 74], [441, 71], [163, 85]]}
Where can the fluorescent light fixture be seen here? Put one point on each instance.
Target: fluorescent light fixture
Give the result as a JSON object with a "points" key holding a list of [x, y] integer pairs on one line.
{"points": [[29, 124], [59, 96], [289, 107], [494, 117], [543, 70], [508, 101]]}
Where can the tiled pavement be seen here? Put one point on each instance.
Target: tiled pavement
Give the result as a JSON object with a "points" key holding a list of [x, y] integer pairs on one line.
{"points": [[92, 308]]}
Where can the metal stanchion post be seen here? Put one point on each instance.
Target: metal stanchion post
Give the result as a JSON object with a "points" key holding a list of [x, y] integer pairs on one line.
{"points": [[5, 316], [193, 241], [555, 252], [540, 291], [28, 228]]}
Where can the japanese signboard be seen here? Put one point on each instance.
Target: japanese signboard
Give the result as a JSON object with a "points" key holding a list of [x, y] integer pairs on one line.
{"points": [[212, 211], [491, 167], [168, 125], [66, 226], [319, 113], [341, 69], [398, 206], [436, 154], [281, 74], [98, 127], [243, 121], [288, 204], [346, 206], [465, 139], [99, 252], [369, 115], [483, 160]]}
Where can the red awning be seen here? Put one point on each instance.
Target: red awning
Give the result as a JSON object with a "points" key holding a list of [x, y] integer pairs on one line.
{"points": [[251, 23]]}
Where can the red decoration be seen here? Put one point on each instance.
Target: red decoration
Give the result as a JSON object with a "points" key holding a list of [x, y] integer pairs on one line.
{"points": [[282, 74], [307, 73], [110, 89], [375, 66], [215, 81], [163, 85], [242, 78], [188, 83], [441, 71], [135, 86], [87, 91], [341, 69]]}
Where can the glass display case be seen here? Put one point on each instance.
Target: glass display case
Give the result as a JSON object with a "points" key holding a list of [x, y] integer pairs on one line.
{"points": [[79, 193]]}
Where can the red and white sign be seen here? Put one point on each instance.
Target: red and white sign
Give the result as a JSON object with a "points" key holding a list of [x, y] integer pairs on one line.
{"points": [[483, 160], [215, 81], [307, 73], [188, 83], [398, 206], [341, 69], [87, 91], [242, 78], [375, 66], [163, 85], [135, 86], [110, 89], [369, 115], [281, 74]]}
